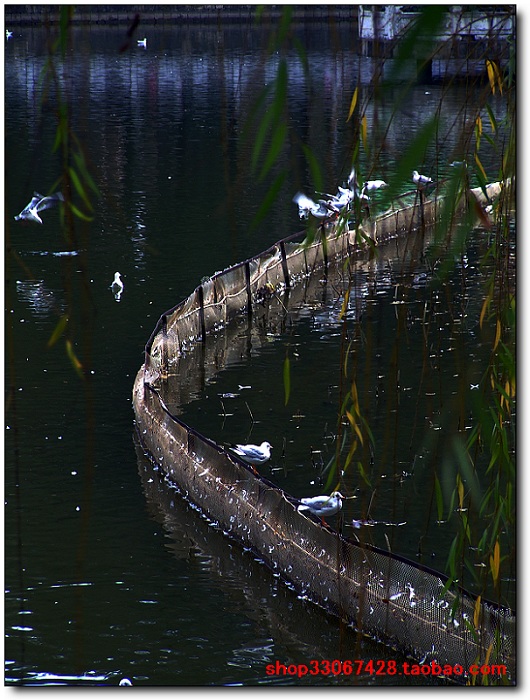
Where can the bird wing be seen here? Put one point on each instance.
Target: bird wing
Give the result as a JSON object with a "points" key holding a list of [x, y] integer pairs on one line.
{"points": [[47, 202], [303, 201]]}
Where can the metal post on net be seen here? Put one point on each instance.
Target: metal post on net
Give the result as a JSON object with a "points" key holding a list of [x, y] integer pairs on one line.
{"points": [[285, 267], [164, 359], [247, 284]]}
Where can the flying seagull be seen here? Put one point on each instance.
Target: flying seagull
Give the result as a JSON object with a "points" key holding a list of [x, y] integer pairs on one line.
{"points": [[38, 203], [321, 210]]}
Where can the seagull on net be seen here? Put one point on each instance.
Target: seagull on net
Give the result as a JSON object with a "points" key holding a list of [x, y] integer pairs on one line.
{"points": [[253, 454], [322, 505], [371, 185], [142, 42], [421, 181], [38, 203], [321, 210]]}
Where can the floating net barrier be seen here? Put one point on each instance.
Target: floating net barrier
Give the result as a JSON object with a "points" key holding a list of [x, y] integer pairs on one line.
{"points": [[391, 599]]}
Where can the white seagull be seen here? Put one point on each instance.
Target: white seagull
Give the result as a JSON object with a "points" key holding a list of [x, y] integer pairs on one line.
{"points": [[142, 42], [321, 210], [8, 34], [117, 286], [253, 454], [371, 185], [322, 505], [420, 180], [38, 203]]}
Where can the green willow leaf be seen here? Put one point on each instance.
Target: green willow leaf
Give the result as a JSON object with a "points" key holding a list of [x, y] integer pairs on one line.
{"points": [[287, 378]]}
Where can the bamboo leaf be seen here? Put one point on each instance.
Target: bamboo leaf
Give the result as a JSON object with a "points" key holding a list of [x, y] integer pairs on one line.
{"points": [[314, 167], [497, 334], [76, 364], [287, 378], [439, 497], [364, 131], [353, 103], [268, 199], [276, 146], [344, 307], [355, 427], [485, 306], [79, 213], [491, 75], [476, 613], [460, 491], [58, 330], [495, 562], [79, 188]]}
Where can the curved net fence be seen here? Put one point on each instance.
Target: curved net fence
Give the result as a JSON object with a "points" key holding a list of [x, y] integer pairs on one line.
{"points": [[391, 599]]}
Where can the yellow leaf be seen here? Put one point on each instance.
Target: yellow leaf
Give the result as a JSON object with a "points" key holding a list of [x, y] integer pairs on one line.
{"points": [[353, 103], [73, 359], [364, 129], [479, 125], [345, 303], [479, 165], [491, 75], [495, 562], [484, 309], [355, 427], [497, 335], [476, 613]]}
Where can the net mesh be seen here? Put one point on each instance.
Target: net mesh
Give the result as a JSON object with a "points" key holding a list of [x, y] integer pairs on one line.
{"points": [[389, 598]]}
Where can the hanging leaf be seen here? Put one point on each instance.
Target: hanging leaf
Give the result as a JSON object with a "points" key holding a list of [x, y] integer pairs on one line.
{"points": [[287, 378], [439, 498], [364, 131], [491, 75], [58, 331], [344, 307], [76, 364], [353, 103], [460, 487], [355, 427], [476, 613], [495, 562]]}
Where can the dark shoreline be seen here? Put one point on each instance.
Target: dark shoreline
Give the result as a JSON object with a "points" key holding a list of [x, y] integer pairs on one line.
{"points": [[24, 15]]}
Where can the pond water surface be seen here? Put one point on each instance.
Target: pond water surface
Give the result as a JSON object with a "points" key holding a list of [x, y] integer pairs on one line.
{"points": [[108, 572]]}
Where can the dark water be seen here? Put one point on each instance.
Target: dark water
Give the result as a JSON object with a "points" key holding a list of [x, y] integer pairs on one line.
{"points": [[108, 573]]}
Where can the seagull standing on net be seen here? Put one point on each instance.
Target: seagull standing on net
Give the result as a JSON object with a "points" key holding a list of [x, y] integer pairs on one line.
{"points": [[421, 181], [371, 185], [253, 454], [322, 505], [38, 203]]}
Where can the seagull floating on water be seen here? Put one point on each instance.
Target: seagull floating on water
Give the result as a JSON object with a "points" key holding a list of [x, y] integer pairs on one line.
{"points": [[117, 286], [253, 454], [142, 42], [322, 505], [420, 180], [38, 203]]}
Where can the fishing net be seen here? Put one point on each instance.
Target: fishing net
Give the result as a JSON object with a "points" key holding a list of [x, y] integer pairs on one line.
{"points": [[387, 597]]}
